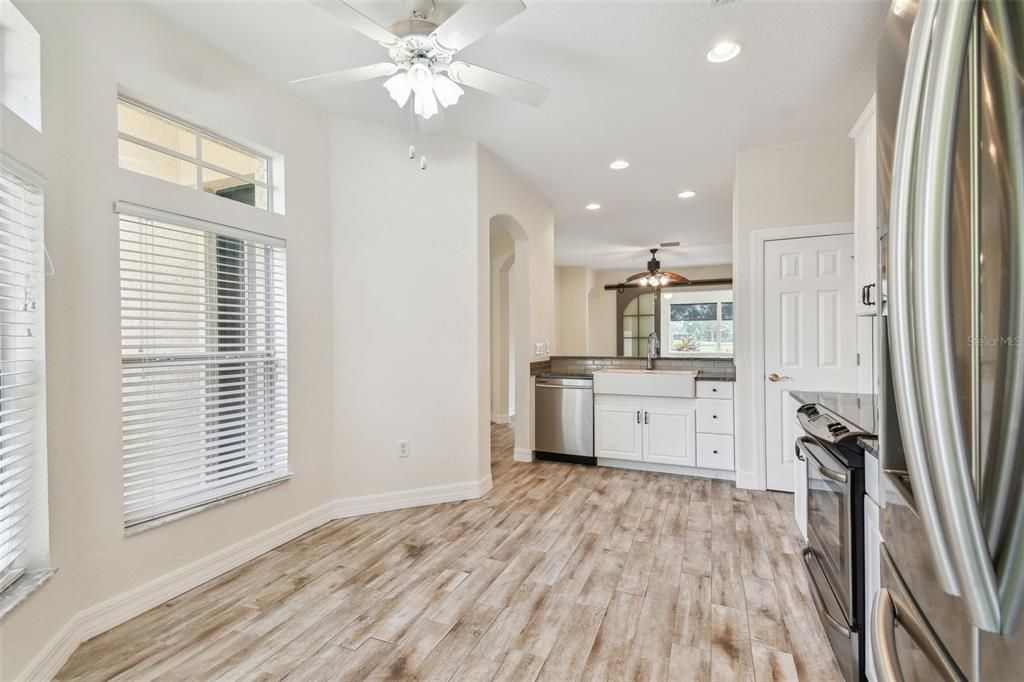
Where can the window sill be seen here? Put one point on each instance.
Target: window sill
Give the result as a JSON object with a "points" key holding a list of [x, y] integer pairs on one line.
{"points": [[21, 588], [137, 528]]}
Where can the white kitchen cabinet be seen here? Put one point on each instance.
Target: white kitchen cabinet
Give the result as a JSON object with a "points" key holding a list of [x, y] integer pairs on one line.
{"points": [[714, 416], [658, 433], [865, 211], [669, 435], [618, 431], [715, 451], [691, 435]]}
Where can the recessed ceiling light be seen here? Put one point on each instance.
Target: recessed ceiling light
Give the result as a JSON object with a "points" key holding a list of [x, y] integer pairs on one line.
{"points": [[592, 206], [724, 51], [619, 164], [688, 194]]}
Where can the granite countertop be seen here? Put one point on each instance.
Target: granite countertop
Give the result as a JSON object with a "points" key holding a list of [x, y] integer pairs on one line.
{"points": [[870, 445], [565, 375], [857, 408], [716, 375]]}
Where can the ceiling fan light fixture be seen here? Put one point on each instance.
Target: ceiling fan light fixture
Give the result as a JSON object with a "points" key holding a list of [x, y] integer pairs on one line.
{"points": [[643, 281], [399, 89], [448, 92], [663, 280], [425, 104]]}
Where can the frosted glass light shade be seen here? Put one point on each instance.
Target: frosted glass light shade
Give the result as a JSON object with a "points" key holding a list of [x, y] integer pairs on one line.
{"points": [[447, 91], [425, 104], [399, 89]]}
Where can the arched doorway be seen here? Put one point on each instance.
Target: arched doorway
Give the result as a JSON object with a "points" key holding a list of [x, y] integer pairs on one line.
{"points": [[508, 308]]}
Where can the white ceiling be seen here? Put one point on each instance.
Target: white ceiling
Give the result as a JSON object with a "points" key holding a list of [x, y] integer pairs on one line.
{"points": [[628, 80]]}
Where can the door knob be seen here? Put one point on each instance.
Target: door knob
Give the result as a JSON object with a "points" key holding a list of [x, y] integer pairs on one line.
{"points": [[775, 377]]}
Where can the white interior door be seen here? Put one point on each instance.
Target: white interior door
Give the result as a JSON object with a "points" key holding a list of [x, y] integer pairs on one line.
{"points": [[810, 333]]}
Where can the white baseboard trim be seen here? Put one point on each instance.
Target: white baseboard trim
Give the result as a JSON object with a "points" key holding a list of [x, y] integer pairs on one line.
{"points": [[748, 480], [522, 454], [404, 499], [667, 469], [500, 419], [123, 607]]}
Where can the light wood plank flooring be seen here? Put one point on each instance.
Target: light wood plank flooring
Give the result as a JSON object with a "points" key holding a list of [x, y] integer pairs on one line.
{"points": [[562, 572]]}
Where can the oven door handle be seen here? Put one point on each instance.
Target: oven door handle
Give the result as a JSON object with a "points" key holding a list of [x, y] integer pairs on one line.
{"points": [[819, 601], [837, 476]]}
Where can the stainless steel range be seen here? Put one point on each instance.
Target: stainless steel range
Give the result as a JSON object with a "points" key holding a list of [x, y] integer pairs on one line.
{"points": [[834, 554]]}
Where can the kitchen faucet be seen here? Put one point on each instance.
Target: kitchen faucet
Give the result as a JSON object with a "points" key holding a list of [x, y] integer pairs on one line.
{"points": [[653, 349]]}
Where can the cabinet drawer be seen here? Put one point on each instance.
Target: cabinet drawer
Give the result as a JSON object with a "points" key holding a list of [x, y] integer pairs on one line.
{"points": [[715, 389], [714, 416], [715, 451]]}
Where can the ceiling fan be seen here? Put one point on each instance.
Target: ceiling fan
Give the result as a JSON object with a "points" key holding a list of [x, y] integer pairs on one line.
{"points": [[422, 55], [655, 276]]}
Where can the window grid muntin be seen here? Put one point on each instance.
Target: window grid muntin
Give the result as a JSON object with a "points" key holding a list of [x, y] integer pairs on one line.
{"points": [[197, 160]]}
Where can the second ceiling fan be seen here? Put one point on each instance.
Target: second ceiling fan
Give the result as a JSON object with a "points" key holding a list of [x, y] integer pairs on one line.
{"points": [[422, 54], [655, 276]]}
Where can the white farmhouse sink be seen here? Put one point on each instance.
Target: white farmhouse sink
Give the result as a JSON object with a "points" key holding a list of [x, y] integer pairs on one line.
{"points": [[666, 383]]}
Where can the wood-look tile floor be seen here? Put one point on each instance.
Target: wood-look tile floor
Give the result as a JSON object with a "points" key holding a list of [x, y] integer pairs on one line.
{"points": [[561, 572]]}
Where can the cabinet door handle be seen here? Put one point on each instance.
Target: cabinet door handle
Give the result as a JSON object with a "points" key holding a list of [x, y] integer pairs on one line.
{"points": [[646, 420], [638, 416], [714, 416], [714, 452]]}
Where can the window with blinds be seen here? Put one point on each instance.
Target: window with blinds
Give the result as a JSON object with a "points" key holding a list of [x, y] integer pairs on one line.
{"points": [[22, 414], [203, 369]]}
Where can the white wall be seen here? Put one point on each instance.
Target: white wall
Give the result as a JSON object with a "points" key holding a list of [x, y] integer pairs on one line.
{"points": [[802, 183], [602, 326], [90, 48], [573, 289], [405, 310]]}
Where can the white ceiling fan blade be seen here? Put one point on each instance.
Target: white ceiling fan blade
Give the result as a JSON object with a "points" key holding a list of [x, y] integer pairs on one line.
{"points": [[498, 83], [350, 15], [474, 21], [349, 76]]}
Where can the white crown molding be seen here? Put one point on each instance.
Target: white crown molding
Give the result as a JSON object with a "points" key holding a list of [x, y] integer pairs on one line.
{"points": [[123, 607]]}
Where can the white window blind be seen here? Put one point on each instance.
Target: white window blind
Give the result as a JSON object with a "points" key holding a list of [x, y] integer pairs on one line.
{"points": [[204, 376], [21, 362]]}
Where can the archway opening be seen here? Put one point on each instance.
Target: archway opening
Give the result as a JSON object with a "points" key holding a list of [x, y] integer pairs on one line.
{"points": [[509, 375]]}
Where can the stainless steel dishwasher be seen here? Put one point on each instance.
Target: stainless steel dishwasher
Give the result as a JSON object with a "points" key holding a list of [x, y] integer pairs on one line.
{"points": [[564, 418]]}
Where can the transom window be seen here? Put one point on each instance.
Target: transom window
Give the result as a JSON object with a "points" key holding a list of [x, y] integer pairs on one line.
{"points": [[161, 146]]}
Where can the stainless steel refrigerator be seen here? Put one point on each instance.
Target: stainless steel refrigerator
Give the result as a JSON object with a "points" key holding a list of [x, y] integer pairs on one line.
{"points": [[951, 227]]}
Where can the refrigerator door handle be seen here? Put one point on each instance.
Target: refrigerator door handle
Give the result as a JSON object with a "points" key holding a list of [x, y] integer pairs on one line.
{"points": [[897, 300], [889, 609], [1004, 500], [946, 447]]}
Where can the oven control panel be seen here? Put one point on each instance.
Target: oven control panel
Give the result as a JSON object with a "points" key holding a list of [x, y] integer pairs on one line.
{"points": [[826, 426]]}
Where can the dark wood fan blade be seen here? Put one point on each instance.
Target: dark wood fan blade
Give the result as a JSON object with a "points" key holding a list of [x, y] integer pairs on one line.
{"points": [[633, 278], [675, 278]]}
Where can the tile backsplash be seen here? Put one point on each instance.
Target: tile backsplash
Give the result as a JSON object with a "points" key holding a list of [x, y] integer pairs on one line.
{"points": [[590, 364]]}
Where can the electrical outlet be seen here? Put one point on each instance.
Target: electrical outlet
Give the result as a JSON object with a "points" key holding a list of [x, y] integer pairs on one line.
{"points": [[403, 448], [538, 349]]}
